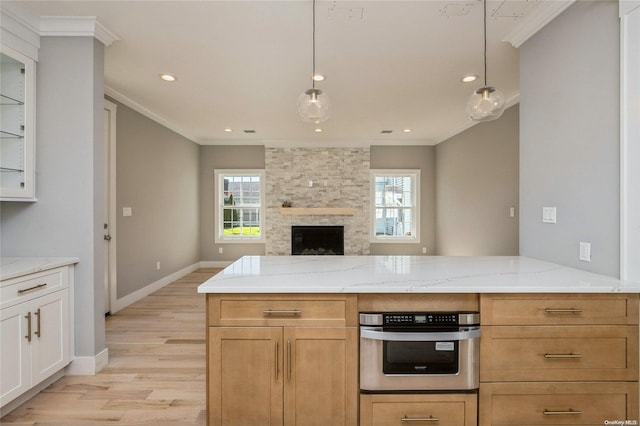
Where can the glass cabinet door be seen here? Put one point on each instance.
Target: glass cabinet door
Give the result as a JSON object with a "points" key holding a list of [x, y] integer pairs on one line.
{"points": [[17, 174]]}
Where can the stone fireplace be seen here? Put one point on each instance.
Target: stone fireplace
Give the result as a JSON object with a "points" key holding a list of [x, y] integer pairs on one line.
{"points": [[321, 184]]}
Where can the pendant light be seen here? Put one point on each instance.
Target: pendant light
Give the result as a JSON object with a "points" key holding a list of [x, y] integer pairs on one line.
{"points": [[313, 104], [486, 103]]}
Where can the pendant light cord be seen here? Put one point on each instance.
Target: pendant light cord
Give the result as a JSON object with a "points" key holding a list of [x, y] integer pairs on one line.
{"points": [[484, 16], [313, 40]]}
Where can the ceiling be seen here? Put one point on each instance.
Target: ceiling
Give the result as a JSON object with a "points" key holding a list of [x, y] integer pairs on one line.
{"points": [[241, 65]]}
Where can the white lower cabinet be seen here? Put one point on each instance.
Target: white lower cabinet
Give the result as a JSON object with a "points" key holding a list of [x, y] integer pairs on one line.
{"points": [[34, 332]]}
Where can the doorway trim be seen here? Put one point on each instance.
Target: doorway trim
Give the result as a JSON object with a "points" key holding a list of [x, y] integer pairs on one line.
{"points": [[629, 137], [111, 108]]}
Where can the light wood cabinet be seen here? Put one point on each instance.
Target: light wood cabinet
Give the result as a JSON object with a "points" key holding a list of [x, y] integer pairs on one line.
{"points": [[17, 126], [558, 359], [590, 403], [279, 373], [401, 410], [34, 330]]}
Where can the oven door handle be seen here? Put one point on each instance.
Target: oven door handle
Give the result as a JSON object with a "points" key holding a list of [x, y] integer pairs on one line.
{"points": [[377, 334]]}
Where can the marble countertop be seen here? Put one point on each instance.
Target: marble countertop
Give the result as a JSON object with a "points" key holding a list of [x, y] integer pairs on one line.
{"points": [[13, 267], [407, 274]]}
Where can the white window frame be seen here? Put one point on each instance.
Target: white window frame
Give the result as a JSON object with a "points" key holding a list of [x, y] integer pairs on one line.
{"points": [[414, 174], [219, 175]]}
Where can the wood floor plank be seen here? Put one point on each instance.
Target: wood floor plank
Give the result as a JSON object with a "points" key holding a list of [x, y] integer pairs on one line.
{"points": [[156, 373]]}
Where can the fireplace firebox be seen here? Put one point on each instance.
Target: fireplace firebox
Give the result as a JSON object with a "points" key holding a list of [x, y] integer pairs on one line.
{"points": [[317, 240]]}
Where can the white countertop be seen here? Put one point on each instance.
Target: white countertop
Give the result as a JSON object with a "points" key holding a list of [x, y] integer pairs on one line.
{"points": [[12, 267], [407, 274]]}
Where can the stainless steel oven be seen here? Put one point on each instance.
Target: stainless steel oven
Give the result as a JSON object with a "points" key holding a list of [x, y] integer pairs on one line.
{"points": [[413, 351]]}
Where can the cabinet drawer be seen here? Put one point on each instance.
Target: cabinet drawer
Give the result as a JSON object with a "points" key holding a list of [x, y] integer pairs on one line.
{"points": [[30, 286], [515, 404], [284, 310], [570, 353], [404, 410], [541, 309]]}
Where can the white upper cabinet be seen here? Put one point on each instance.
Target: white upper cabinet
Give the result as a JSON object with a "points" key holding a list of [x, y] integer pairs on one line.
{"points": [[17, 126]]}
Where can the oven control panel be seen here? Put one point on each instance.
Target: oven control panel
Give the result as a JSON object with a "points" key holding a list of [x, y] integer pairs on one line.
{"points": [[440, 318], [419, 319]]}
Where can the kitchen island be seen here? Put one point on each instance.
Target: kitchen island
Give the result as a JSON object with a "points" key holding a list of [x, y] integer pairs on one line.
{"points": [[558, 344]]}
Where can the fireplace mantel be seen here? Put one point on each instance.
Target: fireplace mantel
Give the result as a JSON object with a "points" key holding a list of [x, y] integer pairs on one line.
{"points": [[318, 211]]}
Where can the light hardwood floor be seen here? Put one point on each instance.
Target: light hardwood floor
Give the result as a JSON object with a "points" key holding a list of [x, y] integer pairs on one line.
{"points": [[156, 371]]}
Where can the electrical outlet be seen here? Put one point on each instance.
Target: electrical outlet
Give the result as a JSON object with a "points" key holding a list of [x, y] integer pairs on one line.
{"points": [[585, 252], [220, 250], [158, 265], [424, 250], [549, 214]]}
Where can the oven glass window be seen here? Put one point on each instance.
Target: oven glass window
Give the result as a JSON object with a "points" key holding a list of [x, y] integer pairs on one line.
{"points": [[420, 357]]}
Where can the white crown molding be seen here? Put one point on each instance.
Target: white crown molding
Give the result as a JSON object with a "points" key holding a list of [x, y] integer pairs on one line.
{"points": [[20, 33], [536, 20], [125, 100], [628, 6], [76, 26]]}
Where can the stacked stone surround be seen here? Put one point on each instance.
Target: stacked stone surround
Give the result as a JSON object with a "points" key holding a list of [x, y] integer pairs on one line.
{"points": [[340, 178]]}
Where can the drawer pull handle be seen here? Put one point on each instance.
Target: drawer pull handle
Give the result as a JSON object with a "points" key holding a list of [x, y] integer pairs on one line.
{"points": [[35, 287], [563, 356], [557, 311], [420, 419], [282, 311], [559, 413]]}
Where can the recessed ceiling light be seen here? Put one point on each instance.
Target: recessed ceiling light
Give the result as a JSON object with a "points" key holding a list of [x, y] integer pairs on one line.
{"points": [[228, 130], [318, 130], [469, 78], [317, 77], [168, 77], [407, 130]]}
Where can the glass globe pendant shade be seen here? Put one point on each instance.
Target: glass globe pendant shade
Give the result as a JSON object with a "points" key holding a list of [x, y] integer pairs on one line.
{"points": [[313, 106], [485, 104]]}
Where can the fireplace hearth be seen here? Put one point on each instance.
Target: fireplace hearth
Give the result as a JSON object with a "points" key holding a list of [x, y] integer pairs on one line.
{"points": [[317, 240]]}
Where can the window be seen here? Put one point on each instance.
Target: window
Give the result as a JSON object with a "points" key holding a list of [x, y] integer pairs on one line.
{"points": [[239, 206], [396, 206]]}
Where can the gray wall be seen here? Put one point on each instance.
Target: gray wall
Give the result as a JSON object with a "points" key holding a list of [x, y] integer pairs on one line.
{"points": [[157, 176], [569, 137], [411, 157], [476, 185], [66, 221], [223, 157]]}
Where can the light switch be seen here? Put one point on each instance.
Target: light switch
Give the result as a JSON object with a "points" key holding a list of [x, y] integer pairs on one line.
{"points": [[127, 211], [585, 252], [549, 214]]}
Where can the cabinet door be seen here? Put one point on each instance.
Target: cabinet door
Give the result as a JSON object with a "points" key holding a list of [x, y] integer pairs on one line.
{"points": [[14, 353], [50, 336], [321, 376], [17, 125], [245, 376]]}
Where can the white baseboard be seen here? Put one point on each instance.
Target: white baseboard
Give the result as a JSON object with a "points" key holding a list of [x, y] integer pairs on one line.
{"points": [[155, 286], [88, 365], [215, 263]]}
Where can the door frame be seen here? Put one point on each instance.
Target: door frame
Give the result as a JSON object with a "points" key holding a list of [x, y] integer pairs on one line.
{"points": [[629, 137], [111, 108]]}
